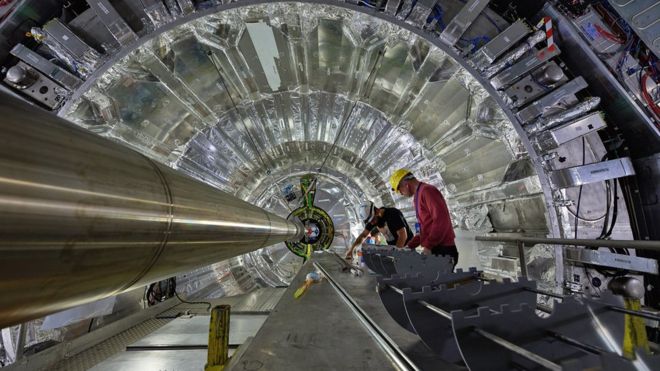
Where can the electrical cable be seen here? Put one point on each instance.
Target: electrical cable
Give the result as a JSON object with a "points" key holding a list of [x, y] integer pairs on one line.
{"points": [[589, 220], [608, 205], [577, 210], [208, 304], [367, 4], [165, 291], [604, 33], [614, 209]]}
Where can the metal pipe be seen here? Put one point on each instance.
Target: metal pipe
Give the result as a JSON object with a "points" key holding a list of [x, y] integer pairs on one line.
{"points": [[578, 344], [521, 258], [20, 345], [541, 292], [435, 309], [530, 241], [391, 349], [519, 350], [395, 289], [83, 218], [637, 313]]}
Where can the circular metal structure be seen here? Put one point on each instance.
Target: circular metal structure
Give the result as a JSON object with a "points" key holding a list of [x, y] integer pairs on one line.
{"points": [[241, 95], [319, 229]]}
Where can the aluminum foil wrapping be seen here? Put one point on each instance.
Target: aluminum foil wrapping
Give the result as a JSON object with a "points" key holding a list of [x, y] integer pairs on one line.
{"points": [[158, 14], [511, 57], [419, 14], [402, 102], [34, 337], [574, 112]]}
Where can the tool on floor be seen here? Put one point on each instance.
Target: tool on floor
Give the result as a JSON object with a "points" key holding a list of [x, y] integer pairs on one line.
{"points": [[310, 279]]}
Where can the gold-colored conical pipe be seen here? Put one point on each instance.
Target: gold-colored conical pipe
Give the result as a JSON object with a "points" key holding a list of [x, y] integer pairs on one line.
{"points": [[83, 218]]}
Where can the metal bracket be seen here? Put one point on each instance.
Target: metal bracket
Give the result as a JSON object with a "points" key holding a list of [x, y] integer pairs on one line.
{"points": [[391, 298], [591, 173], [608, 259], [553, 138], [536, 84], [436, 331], [388, 262], [563, 93], [462, 21], [420, 12], [502, 42], [574, 326], [113, 21], [55, 72], [513, 73]]}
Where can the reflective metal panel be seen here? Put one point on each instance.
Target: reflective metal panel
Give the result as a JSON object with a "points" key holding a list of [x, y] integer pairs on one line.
{"points": [[194, 331], [156, 360]]}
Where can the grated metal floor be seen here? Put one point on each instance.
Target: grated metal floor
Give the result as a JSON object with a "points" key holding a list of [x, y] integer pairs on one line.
{"points": [[96, 354], [259, 301]]}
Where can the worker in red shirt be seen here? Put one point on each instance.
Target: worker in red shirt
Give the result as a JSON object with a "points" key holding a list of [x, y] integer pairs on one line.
{"points": [[434, 228]]}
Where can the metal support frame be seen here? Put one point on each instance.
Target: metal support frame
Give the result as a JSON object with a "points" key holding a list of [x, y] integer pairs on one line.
{"points": [[47, 358], [20, 346], [521, 257], [458, 322], [531, 241], [392, 261]]}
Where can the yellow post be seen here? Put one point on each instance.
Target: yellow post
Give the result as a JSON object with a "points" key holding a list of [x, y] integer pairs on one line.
{"points": [[635, 338], [218, 339]]}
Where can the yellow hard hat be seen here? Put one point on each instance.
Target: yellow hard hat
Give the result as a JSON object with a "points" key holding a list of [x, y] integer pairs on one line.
{"points": [[396, 177]]}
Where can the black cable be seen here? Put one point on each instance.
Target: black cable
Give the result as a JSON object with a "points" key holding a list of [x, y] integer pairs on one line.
{"points": [[247, 132], [208, 309], [608, 192], [606, 232], [590, 220], [577, 210], [343, 124], [614, 209]]}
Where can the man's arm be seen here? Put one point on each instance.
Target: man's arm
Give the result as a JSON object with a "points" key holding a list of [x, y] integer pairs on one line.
{"points": [[360, 238], [401, 237], [397, 225], [414, 242]]}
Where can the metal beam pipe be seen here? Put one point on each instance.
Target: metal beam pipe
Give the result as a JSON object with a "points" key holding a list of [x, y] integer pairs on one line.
{"points": [[83, 218], [519, 350], [529, 241]]}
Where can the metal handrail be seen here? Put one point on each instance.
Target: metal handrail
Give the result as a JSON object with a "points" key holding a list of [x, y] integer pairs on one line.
{"points": [[529, 241], [381, 338]]}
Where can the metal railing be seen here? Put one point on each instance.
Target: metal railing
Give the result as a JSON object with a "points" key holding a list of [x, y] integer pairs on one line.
{"points": [[523, 242]]}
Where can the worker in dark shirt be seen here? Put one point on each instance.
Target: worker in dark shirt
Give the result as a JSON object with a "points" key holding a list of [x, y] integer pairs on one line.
{"points": [[435, 233], [390, 223]]}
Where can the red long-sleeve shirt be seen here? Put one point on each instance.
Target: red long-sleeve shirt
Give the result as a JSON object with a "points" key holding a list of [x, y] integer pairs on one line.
{"points": [[433, 216]]}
